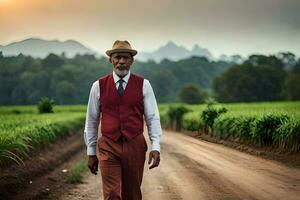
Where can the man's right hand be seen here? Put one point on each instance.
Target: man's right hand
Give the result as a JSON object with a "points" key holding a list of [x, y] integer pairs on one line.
{"points": [[93, 164]]}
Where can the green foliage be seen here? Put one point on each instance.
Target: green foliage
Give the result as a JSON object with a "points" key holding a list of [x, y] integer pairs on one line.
{"points": [[164, 84], [13, 148], [225, 128], [66, 92], [265, 128], [45, 105], [288, 59], [192, 124], [192, 94], [244, 126], [74, 175], [276, 124], [288, 136], [234, 128], [175, 115], [52, 61], [291, 89], [22, 133], [69, 80], [260, 78], [209, 115], [32, 109], [262, 60], [248, 83]]}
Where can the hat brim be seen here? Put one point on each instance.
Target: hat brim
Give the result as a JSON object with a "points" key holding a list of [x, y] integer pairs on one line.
{"points": [[131, 51]]}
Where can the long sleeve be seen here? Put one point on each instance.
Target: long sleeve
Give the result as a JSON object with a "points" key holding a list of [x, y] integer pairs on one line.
{"points": [[152, 116], [92, 119]]}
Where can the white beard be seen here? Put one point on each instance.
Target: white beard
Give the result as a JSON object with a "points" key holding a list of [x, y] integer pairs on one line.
{"points": [[121, 73]]}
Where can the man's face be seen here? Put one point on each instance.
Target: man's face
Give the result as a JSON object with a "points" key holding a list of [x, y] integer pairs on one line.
{"points": [[121, 63]]}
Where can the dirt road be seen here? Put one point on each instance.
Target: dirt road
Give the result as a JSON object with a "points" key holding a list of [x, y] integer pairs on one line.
{"points": [[191, 169]]}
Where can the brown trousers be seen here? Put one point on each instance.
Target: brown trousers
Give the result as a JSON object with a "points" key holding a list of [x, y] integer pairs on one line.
{"points": [[122, 166]]}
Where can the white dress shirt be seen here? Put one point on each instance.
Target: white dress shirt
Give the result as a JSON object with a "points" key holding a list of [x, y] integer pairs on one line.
{"points": [[151, 115]]}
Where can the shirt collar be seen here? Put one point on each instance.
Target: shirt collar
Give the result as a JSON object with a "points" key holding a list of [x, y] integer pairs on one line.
{"points": [[117, 78]]}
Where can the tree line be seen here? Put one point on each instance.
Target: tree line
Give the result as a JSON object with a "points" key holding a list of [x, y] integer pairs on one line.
{"points": [[260, 78], [25, 80]]}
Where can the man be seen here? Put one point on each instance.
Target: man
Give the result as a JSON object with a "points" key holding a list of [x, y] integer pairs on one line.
{"points": [[123, 99]]}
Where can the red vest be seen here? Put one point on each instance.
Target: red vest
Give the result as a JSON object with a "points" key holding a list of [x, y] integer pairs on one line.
{"points": [[121, 115]]}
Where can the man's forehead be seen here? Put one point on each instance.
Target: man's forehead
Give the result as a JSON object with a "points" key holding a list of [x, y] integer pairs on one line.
{"points": [[121, 54]]}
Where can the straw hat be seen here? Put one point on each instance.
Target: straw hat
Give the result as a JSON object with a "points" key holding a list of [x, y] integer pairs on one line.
{"points": [[121, 46]]}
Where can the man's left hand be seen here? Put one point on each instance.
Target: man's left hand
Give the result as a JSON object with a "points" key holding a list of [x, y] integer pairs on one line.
{"points": [[155, 156]]}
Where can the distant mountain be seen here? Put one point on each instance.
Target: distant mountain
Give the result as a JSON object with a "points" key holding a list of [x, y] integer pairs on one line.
{"points": [[174, 52], [41, 48], [198, 51]]}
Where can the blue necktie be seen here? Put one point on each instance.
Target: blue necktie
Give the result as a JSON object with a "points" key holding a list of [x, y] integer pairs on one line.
{"points": [[120, 88]]}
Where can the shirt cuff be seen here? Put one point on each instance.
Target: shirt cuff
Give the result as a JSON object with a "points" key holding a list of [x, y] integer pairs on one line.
{"points": [[91, 151], [155, 147]]}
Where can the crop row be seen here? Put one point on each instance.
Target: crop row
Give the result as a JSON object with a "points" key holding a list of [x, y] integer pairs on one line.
{"points": [[21, 133], [261, 124]]}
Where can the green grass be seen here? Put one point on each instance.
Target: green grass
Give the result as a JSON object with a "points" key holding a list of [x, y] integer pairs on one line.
{"points": [[27, 130], [74, 175], [265, 124], [23, 129], [247, 109], [34, 109]]}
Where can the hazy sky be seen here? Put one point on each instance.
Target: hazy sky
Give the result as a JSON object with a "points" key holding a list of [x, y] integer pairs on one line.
{"points": [[223, 26]]}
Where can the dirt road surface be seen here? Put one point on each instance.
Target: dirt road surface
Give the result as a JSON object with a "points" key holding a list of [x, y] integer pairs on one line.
{"points": [[192, 169]]}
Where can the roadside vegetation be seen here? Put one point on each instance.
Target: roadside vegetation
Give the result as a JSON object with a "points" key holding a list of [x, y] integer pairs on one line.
{"points": [[274, 124], [74, 175], [23, 129]]}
